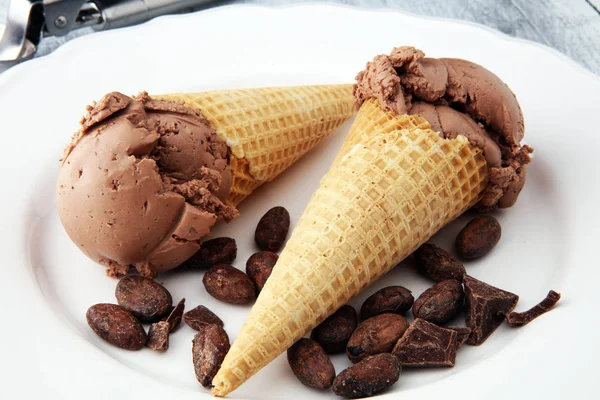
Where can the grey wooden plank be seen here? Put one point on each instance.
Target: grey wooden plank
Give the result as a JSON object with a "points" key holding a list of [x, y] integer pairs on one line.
{"points": [[570, 26]]}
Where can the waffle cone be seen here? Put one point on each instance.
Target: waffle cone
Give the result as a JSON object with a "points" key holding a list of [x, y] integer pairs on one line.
{"points": [[269, 129], [394, 184]]}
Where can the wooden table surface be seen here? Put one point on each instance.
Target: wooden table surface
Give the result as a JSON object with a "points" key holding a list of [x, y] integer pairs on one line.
{"points": [[570, 26]]}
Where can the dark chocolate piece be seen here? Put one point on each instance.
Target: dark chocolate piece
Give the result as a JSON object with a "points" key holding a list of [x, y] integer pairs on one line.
{"points": [[462, 334], [426, 345], [516, 319], [487, 306]]}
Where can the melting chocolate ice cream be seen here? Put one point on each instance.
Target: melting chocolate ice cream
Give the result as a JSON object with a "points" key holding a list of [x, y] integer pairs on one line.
{"points": [[457, 97]]}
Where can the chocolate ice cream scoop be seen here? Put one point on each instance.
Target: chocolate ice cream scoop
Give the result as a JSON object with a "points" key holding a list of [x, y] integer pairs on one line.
{"points": [[457, 97], [142, 182], [145, 179]]}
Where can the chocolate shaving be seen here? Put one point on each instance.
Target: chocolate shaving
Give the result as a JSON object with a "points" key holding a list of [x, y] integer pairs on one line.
{"points": [[516, 319]]}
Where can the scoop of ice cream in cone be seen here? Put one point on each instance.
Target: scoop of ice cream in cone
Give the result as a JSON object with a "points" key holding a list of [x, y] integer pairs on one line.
{"points": [[432, 138], [145, 179], [457, 98]]}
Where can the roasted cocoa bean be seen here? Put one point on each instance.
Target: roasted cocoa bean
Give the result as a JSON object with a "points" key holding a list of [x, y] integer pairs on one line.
{"points": [[212, 252], [147, 300], [333, 333], [437, 264], [376, 335], [440, 303], [272, 229], [174, 317], [310, 364], [478, 237], [370, 376], [228, 284], [259, 267], [117, 326], [391, 299], [197, 318], [158, 336], [209, 347]]}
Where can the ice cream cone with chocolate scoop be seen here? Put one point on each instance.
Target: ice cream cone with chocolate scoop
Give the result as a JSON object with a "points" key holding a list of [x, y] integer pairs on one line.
{"points": [[398, 178], [145, 178]]}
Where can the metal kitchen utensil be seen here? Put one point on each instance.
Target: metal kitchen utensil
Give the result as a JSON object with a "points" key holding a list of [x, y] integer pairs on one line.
{"points": [[30, 20]]}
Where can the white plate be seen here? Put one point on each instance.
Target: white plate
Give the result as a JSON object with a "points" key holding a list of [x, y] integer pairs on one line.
{"points": [[549, 239]]}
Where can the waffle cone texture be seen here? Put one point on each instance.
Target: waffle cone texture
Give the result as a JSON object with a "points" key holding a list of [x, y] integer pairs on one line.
{"points": [[269, 129], [394, 184]]}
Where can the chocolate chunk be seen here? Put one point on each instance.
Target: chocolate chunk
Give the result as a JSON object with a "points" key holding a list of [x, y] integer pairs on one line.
{"points": [[116, 325], [478, 237], [333, 333], [391, 299], [174, 318], [368, 377], [487, 306], [259, 267], [209, 348], [462, 334], [440, 303], [310, 364], [212, 252], [515, 319], [437, 264], [376, 335], [158, 336], [426, 345], [147, 300], [228, 284], [197, 318], [272, 229]]}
